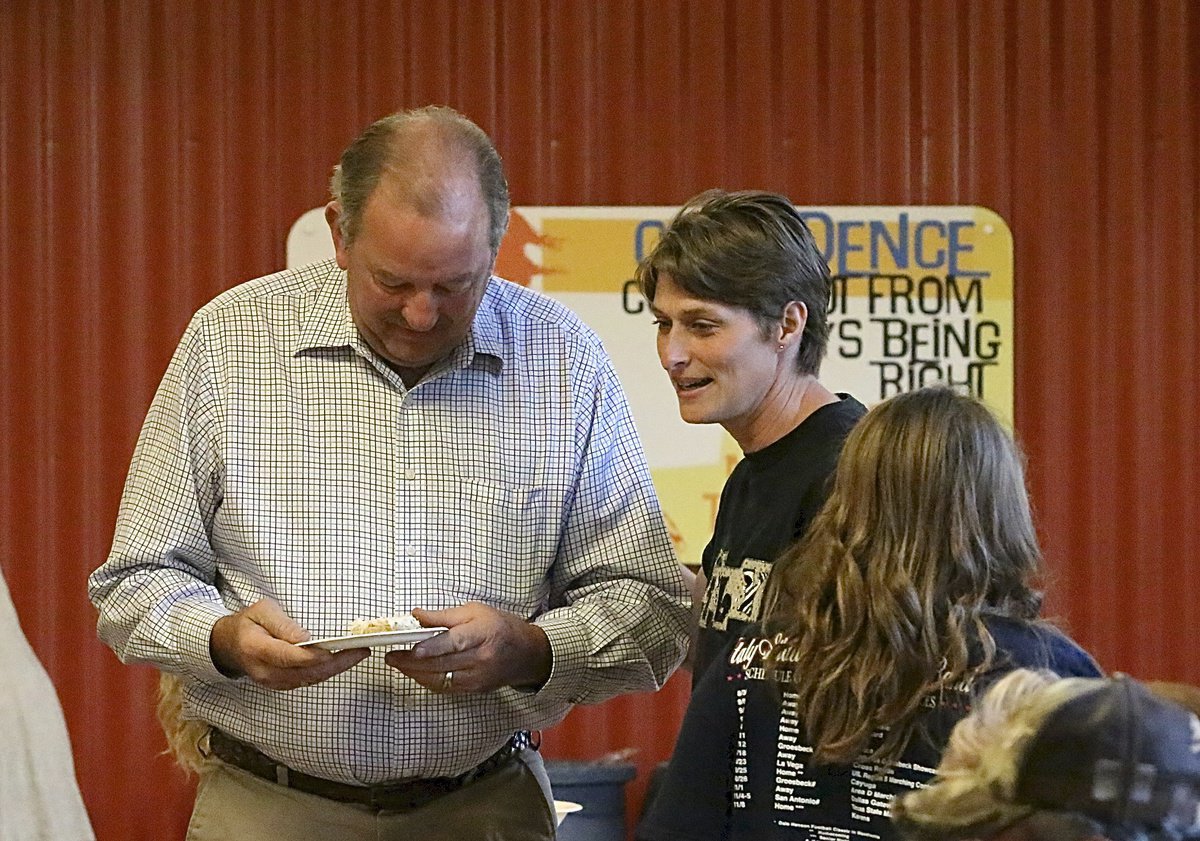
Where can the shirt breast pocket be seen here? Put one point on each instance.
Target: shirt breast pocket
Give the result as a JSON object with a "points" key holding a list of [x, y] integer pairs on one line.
{"points": [[498, 542]]}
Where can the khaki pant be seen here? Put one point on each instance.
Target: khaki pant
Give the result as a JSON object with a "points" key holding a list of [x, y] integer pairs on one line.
{"points": [[510, 804]]}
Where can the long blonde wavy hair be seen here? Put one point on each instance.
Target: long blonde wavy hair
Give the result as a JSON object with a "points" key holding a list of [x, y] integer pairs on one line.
{"points": [[926, 529]]}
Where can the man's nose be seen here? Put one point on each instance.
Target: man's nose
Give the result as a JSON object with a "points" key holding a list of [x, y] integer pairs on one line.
{"points": [[420, 311]]}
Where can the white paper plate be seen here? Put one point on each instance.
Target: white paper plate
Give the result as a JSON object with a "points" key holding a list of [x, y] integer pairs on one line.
{"points": [[375, 639], [562, 808]]}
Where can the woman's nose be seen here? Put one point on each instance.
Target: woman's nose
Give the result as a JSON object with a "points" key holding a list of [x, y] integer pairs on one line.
{"points": [[671, 350]]}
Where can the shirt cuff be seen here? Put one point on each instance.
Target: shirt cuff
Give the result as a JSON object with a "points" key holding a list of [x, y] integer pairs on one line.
{"points": [[194, 621], [569, 658]]}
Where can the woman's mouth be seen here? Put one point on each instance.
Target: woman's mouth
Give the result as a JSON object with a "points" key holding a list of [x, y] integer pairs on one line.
{"points": [[683, 386]]}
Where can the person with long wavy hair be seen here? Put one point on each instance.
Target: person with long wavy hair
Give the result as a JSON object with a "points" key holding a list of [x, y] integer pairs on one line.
{"points": [[913, 589]]}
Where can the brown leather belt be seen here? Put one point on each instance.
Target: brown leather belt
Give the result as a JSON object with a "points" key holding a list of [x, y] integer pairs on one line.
{"points": [[402, 796]]}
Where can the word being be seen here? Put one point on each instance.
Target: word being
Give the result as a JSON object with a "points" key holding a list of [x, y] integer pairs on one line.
{"points": [[937, 338]]}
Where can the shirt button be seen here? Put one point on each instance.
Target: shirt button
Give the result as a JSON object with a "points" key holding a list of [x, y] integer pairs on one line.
{"points": [[410, 474], [412, 549]]}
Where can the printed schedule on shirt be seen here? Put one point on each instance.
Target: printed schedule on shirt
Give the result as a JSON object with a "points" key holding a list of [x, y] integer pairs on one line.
{"points": [[812, 801]]}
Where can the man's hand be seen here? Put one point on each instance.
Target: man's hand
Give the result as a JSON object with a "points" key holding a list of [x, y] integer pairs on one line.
{"points": [[485, 649], [258, 642]]}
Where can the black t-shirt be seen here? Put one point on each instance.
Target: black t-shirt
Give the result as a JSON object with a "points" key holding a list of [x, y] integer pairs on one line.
{"points": [[768, 501], [740, 770]]}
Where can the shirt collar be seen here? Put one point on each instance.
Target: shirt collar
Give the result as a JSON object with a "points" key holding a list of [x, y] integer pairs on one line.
{"points": [[328, 324], [486, 333]]}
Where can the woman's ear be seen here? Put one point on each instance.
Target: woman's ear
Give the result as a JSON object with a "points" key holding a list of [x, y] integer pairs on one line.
{"points": [[791, 325]]}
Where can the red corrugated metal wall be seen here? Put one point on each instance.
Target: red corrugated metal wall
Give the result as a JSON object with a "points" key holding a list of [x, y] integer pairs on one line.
{"points": [[155, 152]]}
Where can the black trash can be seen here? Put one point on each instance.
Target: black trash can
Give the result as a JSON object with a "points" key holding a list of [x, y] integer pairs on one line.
{"points": [[600, 788]]}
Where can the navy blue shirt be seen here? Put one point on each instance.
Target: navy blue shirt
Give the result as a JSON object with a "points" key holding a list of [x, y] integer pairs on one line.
{"points": [[741, 767]]}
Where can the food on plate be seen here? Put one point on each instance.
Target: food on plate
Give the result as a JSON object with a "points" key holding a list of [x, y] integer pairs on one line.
{"points": [[403, 622]]}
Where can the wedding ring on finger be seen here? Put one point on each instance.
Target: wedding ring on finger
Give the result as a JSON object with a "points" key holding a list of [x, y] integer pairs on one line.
{"points": [[447, 681]]}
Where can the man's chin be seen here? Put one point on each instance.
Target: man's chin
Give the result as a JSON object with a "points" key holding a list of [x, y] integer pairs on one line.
{"points": [[407, 359]]}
